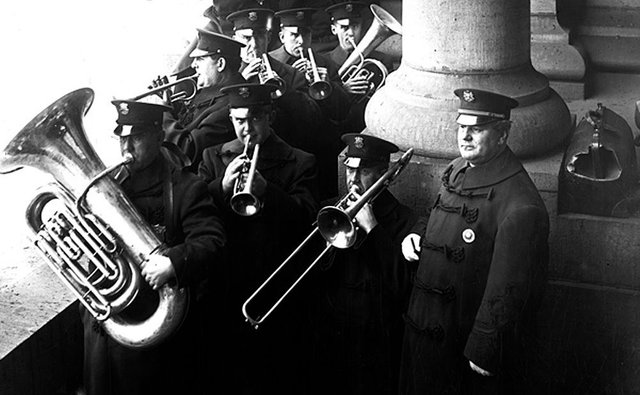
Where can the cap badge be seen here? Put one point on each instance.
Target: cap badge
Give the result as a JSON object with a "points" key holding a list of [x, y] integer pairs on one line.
{"points": [[468, 96], [349, 7], [123, 108], [243, 92], [300, 15], [468, 235], [358, 142], [253, 16], [261, 2]]}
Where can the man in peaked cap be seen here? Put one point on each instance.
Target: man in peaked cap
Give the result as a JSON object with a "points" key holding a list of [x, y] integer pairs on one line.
{"points": [[295, 35], [362, 291], [482, 261], [285, 184], [204, 121], [176, 204]]}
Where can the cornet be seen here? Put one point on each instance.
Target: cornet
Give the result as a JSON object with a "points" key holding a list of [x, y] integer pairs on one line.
{"points": [[319, 88], [337, 227], [243, 202], [181, 95], [268, 76]]}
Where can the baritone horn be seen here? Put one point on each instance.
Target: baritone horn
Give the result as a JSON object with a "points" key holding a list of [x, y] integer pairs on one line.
{"points": [[319, 88], [357, 65], [243, 201], [337, 229], [98, 261], [268, 76]]}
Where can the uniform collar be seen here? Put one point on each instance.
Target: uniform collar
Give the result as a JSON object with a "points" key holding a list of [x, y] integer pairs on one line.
{"points": [[281, 55], [339, 55], [211, 93], [498, 169], [384, 204]]}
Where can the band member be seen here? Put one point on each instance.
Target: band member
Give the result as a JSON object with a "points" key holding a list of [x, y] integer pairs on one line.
{"points": [[348, 23], [204, 121], [298, 117], [363, 291], [482, 256], [177, 205], [295, 35], [284, 182]]}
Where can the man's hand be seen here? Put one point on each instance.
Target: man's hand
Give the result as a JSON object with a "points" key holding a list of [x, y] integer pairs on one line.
{"points": [[157, 270], [231, 173], [365, 218], [357, 86], [302, 65], [479, 370], [411, 247], [252, 69]]}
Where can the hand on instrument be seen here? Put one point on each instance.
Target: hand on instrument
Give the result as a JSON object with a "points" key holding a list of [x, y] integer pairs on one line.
{"points": [[322, 73], [365, 218], [479, 370], [232, 173], [357, 86], [302, 65], [157, 270], [411, 247], [252, 69]]}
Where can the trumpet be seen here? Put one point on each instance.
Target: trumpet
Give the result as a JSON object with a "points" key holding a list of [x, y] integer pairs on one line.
{"points": [[336, 225], [383, 26], [268, 76], [319, 88], [243, 202], [181, 95]]}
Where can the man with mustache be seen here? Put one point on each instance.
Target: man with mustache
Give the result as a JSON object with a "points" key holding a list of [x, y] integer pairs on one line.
{"points": [[483, 256]]}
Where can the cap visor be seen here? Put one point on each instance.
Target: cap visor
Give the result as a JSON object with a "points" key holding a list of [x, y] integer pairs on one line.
{"points": [[197, 53], [343, 22], [473, 120], [352, 162]]}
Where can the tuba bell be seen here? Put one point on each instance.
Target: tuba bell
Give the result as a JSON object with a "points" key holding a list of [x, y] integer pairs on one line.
{"points": [[99, 262], [357, 65]]}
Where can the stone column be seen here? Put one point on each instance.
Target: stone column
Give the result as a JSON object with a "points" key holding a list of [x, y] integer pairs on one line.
{"points": [[551, 53], [482, 44]]}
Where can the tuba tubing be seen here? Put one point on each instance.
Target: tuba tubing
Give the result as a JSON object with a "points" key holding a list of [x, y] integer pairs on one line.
{"points": [[54, 142]]}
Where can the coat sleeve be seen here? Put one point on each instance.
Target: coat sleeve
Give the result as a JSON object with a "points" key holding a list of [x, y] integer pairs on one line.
{"points": [[212, 176], [299, 201], [202, 229], [520, 254]]}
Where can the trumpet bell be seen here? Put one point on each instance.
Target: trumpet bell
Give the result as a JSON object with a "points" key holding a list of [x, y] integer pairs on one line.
{"points": [[320, 90], [336, 227], [245, 204]]}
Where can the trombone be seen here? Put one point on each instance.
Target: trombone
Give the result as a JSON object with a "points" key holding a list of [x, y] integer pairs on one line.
{"points": [[319, 88], [336, 226], [243, 202], [181, 95], [268, 76]]}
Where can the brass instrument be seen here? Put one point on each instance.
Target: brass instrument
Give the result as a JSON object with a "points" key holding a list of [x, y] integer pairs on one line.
{"points": [[98, 261], [181, 95], [268, 76], [336, 226], [319, 88], [243, 202], [383, 26]]}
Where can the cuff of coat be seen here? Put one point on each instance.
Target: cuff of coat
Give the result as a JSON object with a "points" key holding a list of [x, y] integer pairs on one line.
{"points": [[178, 257], [482, 350]]}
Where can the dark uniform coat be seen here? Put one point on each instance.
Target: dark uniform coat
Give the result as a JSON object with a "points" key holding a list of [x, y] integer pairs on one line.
{"points": [[195, 236], [203, 122], [263, 361], [482, 266], [362, 293], [325, 143]]}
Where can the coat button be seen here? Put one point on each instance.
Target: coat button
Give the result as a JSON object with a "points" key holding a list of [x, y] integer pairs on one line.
{"points": [[468, 235]]}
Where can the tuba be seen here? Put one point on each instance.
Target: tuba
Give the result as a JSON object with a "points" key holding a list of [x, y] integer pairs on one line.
{"points": [[99, 262], [383, 26]]}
